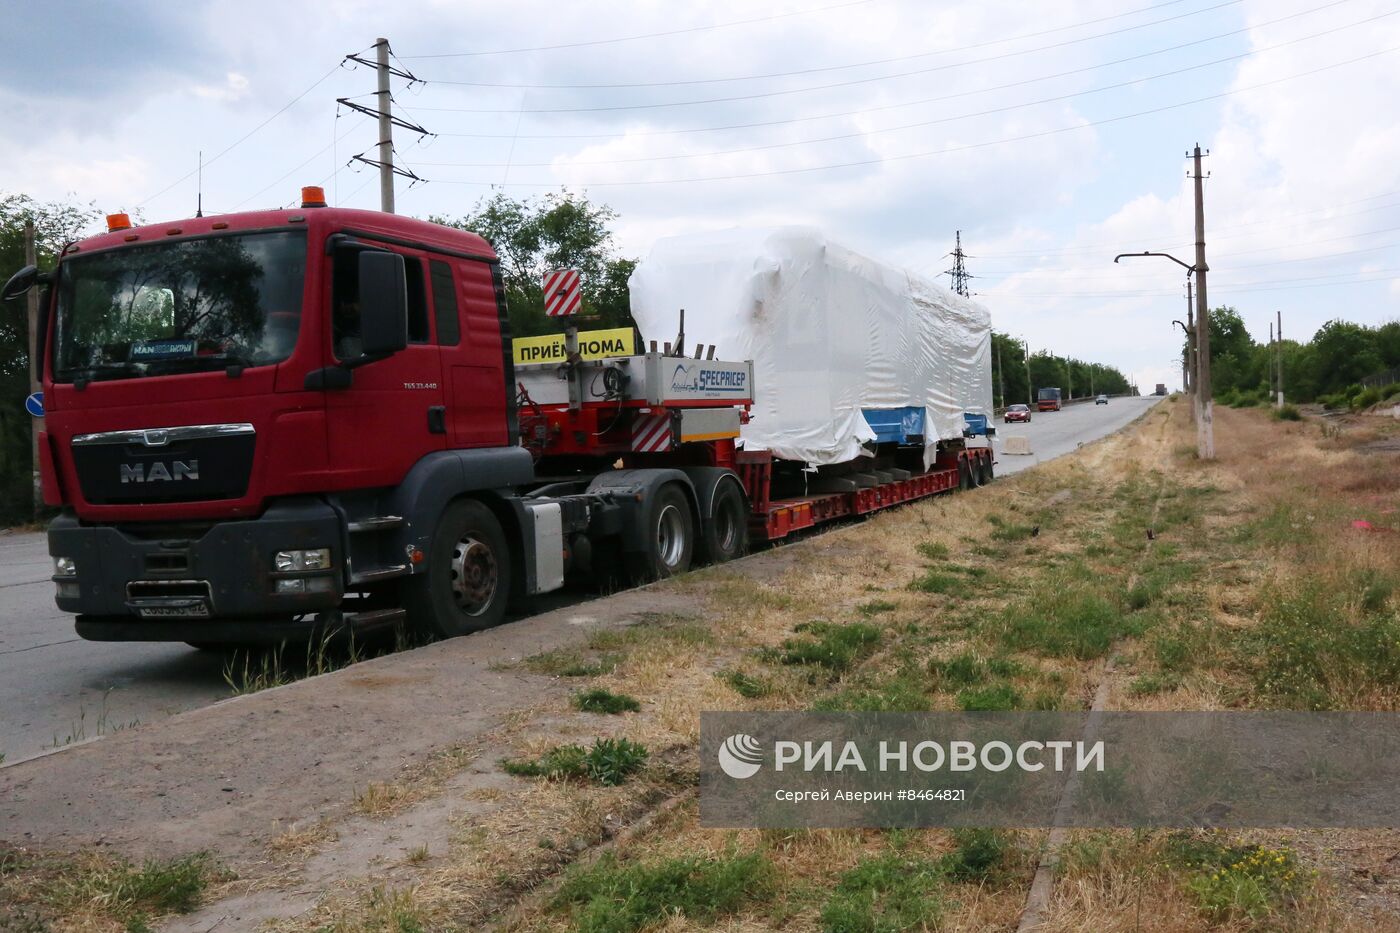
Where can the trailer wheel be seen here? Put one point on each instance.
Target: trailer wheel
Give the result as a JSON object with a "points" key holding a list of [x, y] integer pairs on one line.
{"points": [[987, 471], [726, 532], [965, 480], [467, 582], [668, 534]]}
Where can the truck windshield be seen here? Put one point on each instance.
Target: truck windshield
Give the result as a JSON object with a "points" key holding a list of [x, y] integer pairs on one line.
{"points": [[181, 306]]}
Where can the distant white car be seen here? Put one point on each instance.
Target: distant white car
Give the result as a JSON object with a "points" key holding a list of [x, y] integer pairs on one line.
{"points": [[1101, 400]]}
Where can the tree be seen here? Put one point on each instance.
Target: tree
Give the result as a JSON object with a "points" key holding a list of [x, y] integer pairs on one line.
{"points": [[558, 231], [54, 226], [1345, 354]]}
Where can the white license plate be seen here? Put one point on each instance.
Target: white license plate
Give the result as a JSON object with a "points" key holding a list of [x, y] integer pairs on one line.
{"points": [[200, 611]]}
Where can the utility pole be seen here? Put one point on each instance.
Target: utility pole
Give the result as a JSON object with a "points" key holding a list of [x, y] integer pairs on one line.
{"points": [[1030, 389], [383, 112], [1278, 332], [1069, 380], [1205, 424], [1189, 364], [959, 272], [1273, 363], [1001, 377], [386, 128], [32, 307]]}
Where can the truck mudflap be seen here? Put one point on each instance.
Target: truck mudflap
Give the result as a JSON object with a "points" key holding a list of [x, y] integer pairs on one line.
{"points": [[186, 577]]}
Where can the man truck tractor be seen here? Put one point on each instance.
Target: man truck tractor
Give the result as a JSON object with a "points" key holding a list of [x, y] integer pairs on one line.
{"points": [[264, 425]]}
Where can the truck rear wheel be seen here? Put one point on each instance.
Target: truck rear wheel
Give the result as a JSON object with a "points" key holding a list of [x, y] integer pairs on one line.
{"points": [[467, 582], [668, 534], [726, 532]]}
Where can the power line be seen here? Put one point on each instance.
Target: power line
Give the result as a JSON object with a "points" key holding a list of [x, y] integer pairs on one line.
{"points": [[320, 152], [647, 35], [860, 134], [246, 136], [866, 111], [859, 163], [864, 64], [836, 84]]}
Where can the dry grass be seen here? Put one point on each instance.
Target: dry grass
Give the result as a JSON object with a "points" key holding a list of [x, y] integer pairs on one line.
{"points": [[1227, 537]]}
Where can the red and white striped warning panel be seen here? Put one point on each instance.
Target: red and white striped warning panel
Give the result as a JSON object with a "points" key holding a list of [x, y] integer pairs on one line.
{"points": [[562, 292], [651, 433]]}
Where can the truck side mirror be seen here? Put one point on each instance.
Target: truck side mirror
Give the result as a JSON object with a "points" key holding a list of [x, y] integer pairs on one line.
{"points": [[20, 283], [383, 303]]}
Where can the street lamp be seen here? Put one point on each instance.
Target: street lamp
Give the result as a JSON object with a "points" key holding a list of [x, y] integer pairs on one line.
{"points": [[1200, 399]]}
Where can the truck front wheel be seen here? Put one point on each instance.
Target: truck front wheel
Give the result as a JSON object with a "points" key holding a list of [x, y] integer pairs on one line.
{"points": [[668, 536], [467, 581]]}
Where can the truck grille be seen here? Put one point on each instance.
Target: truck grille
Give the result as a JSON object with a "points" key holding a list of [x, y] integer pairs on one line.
{"points": [[183, 464]]}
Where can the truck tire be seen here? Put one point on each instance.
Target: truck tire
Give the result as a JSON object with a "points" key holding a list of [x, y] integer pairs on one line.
{"points": [[467, 582], [726, 531], [669, 535], [988, 473], [965, 480]]}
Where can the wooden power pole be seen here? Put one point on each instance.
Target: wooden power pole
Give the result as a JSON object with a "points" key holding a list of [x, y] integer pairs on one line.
{"points": [[32, 307], [1205, 423]]}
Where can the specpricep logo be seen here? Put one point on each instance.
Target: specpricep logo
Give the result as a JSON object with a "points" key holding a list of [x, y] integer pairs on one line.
{"points": [[740, 756]]}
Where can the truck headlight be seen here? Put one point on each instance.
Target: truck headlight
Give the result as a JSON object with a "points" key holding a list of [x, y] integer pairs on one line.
{"points": [[308, 559], [65, 567]]}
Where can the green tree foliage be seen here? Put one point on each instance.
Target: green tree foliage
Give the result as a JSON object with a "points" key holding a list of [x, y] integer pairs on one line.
{"points": [[1009, 367], [54, 226], [558, 231], [1338, 357]]}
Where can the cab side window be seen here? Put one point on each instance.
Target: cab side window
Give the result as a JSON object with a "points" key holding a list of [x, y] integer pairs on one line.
{"points": [[449, 326], [347, 314]]}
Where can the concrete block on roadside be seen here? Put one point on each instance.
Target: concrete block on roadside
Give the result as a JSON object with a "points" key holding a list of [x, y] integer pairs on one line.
{"points": [[1016, 444]]}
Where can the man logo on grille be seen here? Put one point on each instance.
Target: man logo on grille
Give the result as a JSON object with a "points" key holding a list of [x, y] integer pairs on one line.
{"points": [[740, 756]]}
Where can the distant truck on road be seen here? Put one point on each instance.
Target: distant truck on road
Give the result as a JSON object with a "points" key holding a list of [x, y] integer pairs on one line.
{"points": [[1161, 389], [1048, 400]]}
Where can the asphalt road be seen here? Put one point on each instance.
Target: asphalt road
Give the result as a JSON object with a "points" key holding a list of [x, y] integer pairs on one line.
{"points": [[56, 688], [1056, 433]]}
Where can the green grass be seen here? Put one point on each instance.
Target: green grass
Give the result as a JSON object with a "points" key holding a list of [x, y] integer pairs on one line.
{"points": [[599, 700], [1068, 617], [904, 691], [43, 891], [830, 645], [889, 893], [875, 607], [609, 762], [937, 581], [571, 663], [967, 669], [1310, 652], [1150, 684], [933, 550], [998, 697], [978, 856], [614, 897], [751, 688]]}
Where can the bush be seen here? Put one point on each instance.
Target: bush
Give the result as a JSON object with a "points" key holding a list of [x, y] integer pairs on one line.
{"points": [[1240, 882], [1288, 412], [1366, 398]]}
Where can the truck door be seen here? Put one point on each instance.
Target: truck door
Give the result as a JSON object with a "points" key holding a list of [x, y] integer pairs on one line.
{"points": [[473, 361], [393, 413]]}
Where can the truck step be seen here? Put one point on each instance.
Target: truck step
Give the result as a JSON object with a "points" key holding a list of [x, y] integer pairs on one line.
{"points": [[377, 523], [374, 618], [379, 573]]}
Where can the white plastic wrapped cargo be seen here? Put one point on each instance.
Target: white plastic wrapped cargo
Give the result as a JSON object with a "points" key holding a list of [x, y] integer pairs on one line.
{"points": [[831, 333]]}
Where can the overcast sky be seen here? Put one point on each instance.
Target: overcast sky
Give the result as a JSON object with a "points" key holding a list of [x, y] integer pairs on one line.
{"points": [[1052, 135]]}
